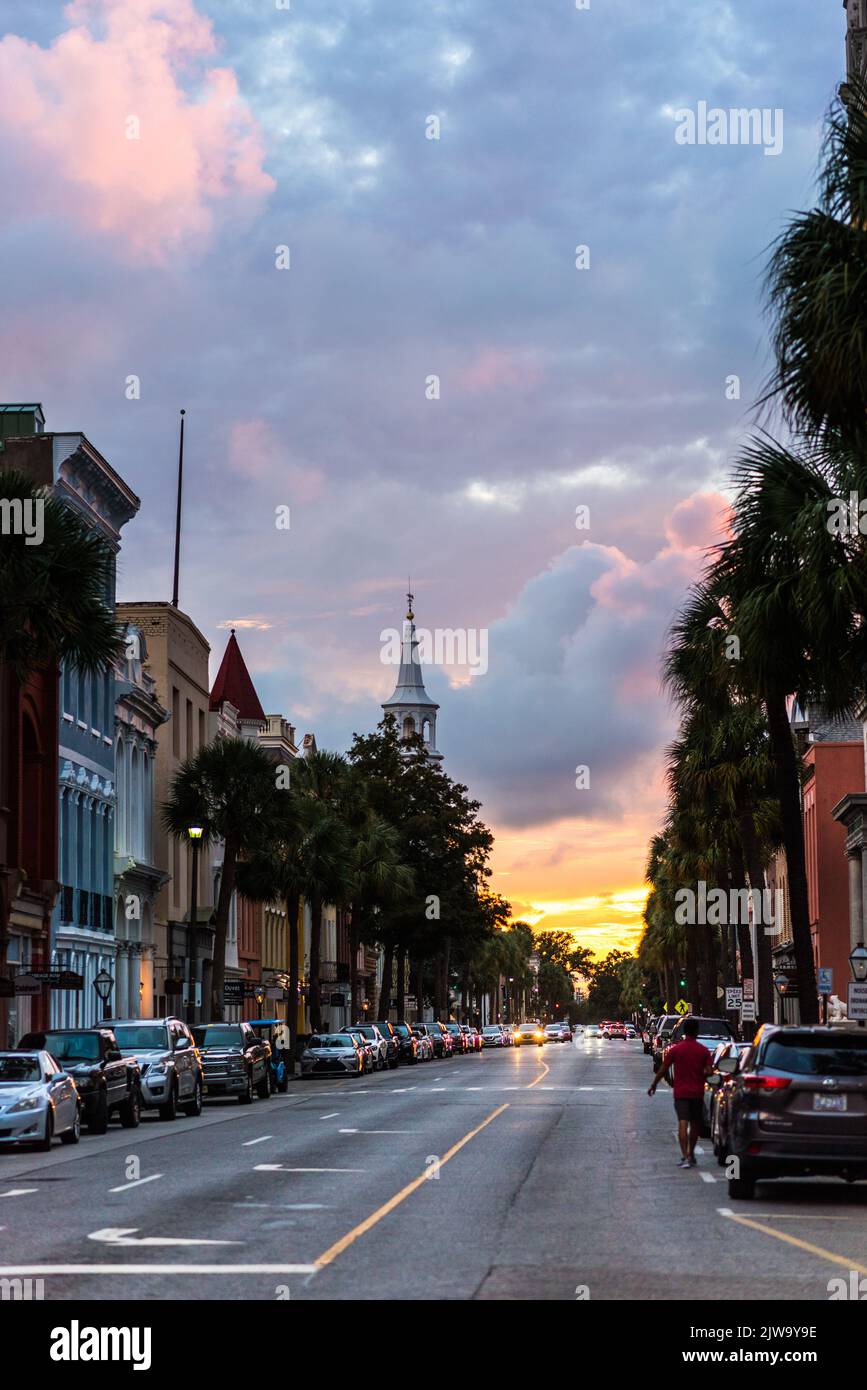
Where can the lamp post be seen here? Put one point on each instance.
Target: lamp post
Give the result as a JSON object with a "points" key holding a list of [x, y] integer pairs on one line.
{"points": [[858, 964], [102, 984], [194, 834]]}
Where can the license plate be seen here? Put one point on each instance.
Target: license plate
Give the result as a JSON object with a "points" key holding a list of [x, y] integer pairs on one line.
{"points": [[821, 1102]]}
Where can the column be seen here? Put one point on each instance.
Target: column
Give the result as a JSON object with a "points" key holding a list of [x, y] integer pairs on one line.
{"points": [[856, 895]]}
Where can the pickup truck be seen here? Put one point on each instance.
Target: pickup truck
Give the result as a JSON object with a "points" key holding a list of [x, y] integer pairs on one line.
{"points": [[107, 1082]]}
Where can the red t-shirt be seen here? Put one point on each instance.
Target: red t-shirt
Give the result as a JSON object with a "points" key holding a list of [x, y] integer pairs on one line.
{"points": [[690, 1060]]}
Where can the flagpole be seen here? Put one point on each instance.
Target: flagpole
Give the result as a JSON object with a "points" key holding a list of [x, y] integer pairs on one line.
{"points": [[178, 519]]}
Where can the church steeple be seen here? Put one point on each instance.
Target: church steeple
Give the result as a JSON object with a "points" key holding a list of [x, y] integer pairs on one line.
{"points": [[412, 707], [856, 38]]}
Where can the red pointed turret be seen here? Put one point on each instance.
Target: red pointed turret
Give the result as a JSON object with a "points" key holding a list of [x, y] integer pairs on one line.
{"points": [[234, 684]]}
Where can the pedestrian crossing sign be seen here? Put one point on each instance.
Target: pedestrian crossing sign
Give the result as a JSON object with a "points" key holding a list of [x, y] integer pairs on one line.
{"points": [[681, 1007]]}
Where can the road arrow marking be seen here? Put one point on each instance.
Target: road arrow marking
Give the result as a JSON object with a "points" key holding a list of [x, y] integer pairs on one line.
{"points": [[125, 1235]]}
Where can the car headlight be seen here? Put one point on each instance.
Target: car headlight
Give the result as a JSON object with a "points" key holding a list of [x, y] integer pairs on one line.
{"points": [[158, 1068], [27, 1103]]}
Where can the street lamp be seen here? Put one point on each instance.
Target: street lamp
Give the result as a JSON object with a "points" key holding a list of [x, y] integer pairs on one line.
{"points": [[858, 961], [260, 997], [102, 984], [194, 833]]}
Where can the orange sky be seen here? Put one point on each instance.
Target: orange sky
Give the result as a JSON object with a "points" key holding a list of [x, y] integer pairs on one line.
{"points": [[592, 888]]}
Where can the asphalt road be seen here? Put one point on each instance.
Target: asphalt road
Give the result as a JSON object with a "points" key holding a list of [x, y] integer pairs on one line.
{"points": [[531, 1173]]}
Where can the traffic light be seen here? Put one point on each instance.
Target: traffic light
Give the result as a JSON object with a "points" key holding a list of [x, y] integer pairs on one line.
{"points": [[682, 982]]}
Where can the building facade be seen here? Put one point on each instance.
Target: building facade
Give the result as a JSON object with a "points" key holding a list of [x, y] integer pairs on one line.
{"points": [[177, 664], [139, 717]]}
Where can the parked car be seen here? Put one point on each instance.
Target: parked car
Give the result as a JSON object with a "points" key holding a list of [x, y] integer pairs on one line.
{"points": [[615, 1031], [474, 1042], [374, 1036], [171, 1069], [369, 1052], [392, 1042], [38, 1100], [407, 1043], [332, 1054], [424, 1042], [711, 1031], [647, 1034], [799, 1108], [441, 1038], [274, 1031], [235, 1062], [727, 1057], [630, 1031], [459, 1040], [492, 1035], [107, 1083], [665, 1026], [529, 1033]]}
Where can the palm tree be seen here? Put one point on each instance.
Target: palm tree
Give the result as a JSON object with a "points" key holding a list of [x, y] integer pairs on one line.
{"points": [[53, 596], [228, 788], [817, 286], [53, 599], [377, 878], [323, 779]]}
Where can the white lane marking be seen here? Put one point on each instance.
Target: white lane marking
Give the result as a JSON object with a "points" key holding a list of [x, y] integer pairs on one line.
{"points": [[280, 1168], [248, 1143], [115, 1269], [125, 1235], [19, 1191], [136, 1182], [375, 1131], [281, 1206], [333, 1115], [707, 1177]]}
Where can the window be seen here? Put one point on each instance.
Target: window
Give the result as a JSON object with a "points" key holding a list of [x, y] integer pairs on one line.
{"points": [[176, 722], [188, 749]]}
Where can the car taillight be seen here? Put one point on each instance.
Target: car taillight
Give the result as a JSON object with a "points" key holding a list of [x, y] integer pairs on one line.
{"points": [[752, 1082]]}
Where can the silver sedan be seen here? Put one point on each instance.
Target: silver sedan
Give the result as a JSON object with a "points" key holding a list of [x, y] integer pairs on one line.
{"points": [[38, 1101], [332, 1054]]}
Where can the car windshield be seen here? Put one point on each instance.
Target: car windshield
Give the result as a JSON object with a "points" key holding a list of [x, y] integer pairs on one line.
{"points": [[402, 1029], [367, 1031], [492, 1030], [808, 1055], [17, 1069], [218, 1035], [144, 1037], [713, 1028], [329, 1040], [528, 1028], [73, 1047]]}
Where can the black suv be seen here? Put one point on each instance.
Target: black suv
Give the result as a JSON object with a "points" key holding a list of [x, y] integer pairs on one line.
{"points": [[407, 1041], [107, 1082], [235, 1061], [799, 1107], [388, 1032]]}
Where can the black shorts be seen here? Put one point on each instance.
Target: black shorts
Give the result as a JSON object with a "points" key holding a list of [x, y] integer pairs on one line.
{"points": [[691, 1110]]}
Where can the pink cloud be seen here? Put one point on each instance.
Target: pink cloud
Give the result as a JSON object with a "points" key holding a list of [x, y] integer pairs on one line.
{"points": [[67, 111], [700, 521], [493, 368], [258, 453]]}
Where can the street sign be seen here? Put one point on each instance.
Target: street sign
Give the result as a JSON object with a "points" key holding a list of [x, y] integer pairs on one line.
{"points": [[734, 997], [681, 1007], [665, 1008], [826, 979], [748, 1011], [856, 1003], [27, 984], [749, 989], [233, 991]]}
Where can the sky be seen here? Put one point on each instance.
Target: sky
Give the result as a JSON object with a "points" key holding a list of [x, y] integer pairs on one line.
{"points": [[242, 208]]}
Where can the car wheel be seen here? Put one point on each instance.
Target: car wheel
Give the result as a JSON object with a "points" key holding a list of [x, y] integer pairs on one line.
{"points": [[97, 1122], [393, 1064], [283, 1086], [73, 1135], [130, 1111], [263, 1089], [44, 1144], [193, 1107], [169, 1111], [246, 1096]]}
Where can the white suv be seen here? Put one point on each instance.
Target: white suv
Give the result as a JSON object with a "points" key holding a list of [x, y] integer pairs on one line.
{"points": [[171, 1069]]}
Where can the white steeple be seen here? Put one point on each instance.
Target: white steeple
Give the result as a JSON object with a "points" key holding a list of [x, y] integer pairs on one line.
{"points": [[412, 707]]}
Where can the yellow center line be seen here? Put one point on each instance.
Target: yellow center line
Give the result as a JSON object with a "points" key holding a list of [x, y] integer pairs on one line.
{"points": [[811, 1249], [357, 1231]]}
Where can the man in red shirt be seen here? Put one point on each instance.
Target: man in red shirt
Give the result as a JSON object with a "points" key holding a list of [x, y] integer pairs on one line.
{"points": [[691, 1062]]}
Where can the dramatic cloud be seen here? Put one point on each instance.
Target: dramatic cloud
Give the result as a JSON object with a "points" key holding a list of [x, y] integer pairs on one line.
{"points": [[121, 125]]}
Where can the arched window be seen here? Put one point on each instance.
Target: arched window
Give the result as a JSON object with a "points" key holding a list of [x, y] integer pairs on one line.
{"points": [[425, 730], [135, 804], [120, 789], [408, 726]]}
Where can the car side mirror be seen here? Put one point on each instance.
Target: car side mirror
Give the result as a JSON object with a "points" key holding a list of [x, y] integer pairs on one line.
{"points": [[59, 1076], [181, 1044], [112, 1055]]}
